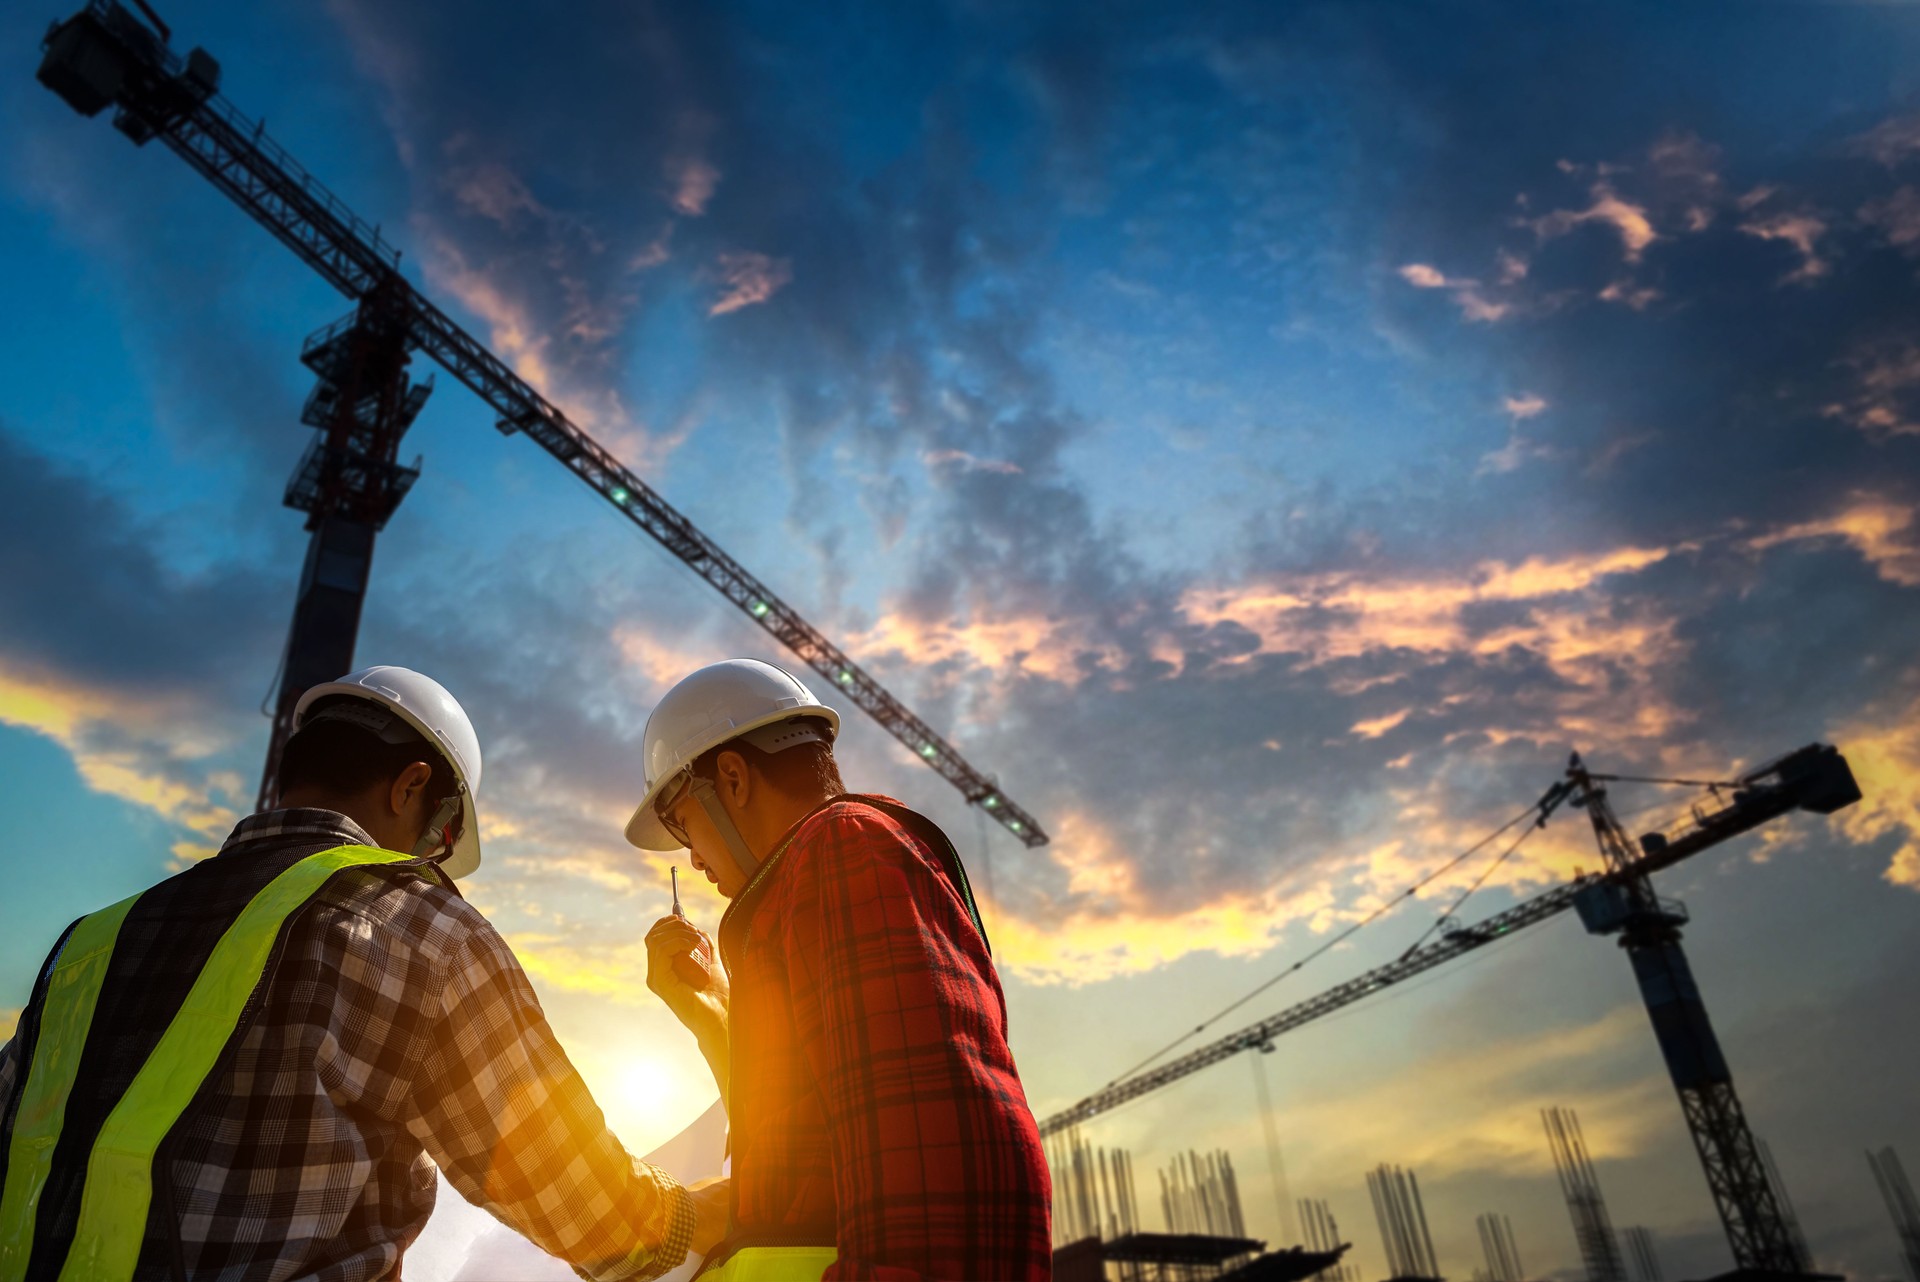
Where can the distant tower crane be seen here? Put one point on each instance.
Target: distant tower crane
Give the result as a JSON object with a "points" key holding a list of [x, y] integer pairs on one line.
{"points": [[104, 56], [1621, 901]]}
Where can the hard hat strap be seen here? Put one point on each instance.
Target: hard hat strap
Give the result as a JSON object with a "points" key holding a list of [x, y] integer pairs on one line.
{"points": [[442, 830], [703, 792]]}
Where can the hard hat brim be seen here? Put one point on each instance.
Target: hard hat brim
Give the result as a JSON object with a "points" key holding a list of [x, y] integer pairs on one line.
{"points": [[646, 831]]}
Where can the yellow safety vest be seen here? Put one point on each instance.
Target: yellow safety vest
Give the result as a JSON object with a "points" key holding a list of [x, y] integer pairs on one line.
{"points": [[119, 1174], [769, 1264]]}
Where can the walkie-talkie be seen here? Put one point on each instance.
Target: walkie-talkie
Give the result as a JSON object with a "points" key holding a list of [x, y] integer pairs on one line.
{"points": [[692, 967]]}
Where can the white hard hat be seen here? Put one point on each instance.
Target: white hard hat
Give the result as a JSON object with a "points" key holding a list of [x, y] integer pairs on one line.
{"points": [[719, 702], [425, 705]]}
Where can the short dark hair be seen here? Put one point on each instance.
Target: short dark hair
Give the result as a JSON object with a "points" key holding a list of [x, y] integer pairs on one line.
{"points": [[345, 760], [804, 770]]}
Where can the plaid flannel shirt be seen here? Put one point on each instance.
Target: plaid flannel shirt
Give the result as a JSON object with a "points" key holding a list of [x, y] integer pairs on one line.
{"points": [[397, 1032], [874, 1102]]}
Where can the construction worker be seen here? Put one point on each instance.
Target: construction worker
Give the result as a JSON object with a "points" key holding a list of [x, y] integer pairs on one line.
{"points": [[853, 1020], [251, 1069]]}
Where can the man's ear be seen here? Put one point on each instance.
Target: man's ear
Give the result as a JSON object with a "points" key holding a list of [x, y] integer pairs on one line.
{"points": [[734, 782], [408, 786]]}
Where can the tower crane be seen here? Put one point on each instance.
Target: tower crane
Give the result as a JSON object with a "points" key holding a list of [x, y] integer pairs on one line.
{"points": [[1617, 901], [351, 481]]}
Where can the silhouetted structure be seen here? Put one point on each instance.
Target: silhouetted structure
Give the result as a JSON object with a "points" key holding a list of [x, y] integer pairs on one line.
{"points": [[1758, 1227], [1788, 1215], [1642, 1264], [1200, 1195], [1902, 1205], [1592, 1228], [1403, 1223], [1093, 1191], [1497, 1244], [1323, 1235]]}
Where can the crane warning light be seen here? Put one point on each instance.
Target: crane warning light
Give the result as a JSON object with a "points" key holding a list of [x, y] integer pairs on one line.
{"points": [[991, 802], [619, 495], [759, 609], [846, 677], [1015, 825], [928, 751]]}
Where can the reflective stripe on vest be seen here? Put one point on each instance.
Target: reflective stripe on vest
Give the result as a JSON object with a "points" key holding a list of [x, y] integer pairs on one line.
{"points": [[73, 986], [119, 1181], [771, 1264]]}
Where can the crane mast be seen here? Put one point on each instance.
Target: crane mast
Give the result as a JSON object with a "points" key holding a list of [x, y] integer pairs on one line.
{"points": [[1624, 904], [104, 57]]}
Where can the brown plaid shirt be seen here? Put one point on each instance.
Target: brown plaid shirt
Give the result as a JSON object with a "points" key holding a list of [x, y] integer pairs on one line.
{"points": [[397, 1033]]}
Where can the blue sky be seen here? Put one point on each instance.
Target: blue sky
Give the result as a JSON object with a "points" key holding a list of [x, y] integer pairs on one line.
{"points": [[1267, 439]]}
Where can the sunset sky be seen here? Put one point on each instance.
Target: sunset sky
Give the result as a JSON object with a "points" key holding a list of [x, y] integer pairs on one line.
{"points": [[1268, 438]]}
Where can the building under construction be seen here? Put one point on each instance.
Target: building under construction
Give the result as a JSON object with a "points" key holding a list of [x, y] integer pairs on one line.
{"points": [[1098, 1235]]}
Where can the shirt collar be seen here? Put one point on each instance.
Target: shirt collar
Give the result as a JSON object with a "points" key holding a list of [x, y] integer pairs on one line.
{"points": [[281, 827]]}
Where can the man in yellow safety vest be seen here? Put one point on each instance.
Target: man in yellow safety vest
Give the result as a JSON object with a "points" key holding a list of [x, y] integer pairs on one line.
{"points": [[252, 1068]]}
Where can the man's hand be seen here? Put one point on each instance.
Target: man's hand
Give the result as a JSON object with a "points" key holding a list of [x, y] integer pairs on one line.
{"points": [[702, 1010], [710, 1216]]}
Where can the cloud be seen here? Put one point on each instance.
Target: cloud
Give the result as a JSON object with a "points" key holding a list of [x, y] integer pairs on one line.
{"points": [[1886, 534], [1891, 141], [1883, 747], [940, 458], [1801, 231], [1609, 209], [1897, 217], [1467, 294], [747, 279], [1885, 383]]}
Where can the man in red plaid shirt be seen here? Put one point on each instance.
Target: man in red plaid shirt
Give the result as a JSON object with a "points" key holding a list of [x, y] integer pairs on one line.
{"points": [[857, 1029]]}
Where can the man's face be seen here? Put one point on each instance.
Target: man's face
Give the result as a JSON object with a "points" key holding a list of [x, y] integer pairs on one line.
{"points": [[686, 819]]}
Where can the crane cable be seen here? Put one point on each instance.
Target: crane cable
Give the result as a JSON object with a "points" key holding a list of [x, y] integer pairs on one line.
{"points": [[1552, 796]]}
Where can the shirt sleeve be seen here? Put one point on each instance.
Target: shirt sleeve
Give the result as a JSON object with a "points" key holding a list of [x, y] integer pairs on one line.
{"points": [[506, 1117], [877, 971]]}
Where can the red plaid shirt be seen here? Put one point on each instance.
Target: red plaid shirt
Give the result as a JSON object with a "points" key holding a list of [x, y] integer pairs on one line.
{"points": [[874, 1101]]}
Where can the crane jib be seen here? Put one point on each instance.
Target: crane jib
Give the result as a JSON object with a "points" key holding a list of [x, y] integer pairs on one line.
{"points": [[104, 56]]}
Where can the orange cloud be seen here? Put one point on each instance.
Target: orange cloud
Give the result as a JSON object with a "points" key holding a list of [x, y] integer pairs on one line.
{"points": [[1115, 928], [749, 278], [1884, 752], [1056, 649], [1799, 230], [1629, 220], [1884, 533]]}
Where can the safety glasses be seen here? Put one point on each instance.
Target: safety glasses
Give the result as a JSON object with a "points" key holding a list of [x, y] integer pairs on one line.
{"points": [[663, 806]]}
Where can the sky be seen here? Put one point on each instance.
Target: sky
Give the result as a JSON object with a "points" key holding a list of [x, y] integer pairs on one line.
{"points": [[1269, 439]]}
